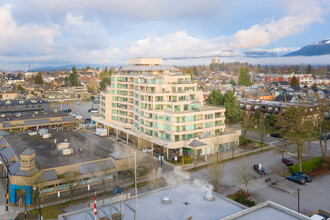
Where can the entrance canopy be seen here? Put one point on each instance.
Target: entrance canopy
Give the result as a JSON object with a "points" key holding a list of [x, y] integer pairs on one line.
{"points": [[196, 144]]}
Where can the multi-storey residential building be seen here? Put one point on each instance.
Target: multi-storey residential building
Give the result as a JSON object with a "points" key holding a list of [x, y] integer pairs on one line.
{"points": [[302, 78], [162, 105]]}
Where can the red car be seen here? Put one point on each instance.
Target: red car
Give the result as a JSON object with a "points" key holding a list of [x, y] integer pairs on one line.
{"points": [[287, 161]]}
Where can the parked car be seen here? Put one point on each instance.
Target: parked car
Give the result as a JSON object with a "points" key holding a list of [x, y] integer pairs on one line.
{"points": [[276, 135], [67, 110], [296, 179], [93, 110], [287, 161], [259, 169], [303, 175], [323, 137], [319, 217], [147, 150], [88, 121]]}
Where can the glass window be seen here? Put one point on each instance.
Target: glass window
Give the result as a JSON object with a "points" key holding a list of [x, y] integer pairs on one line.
{"points": [[168, 118], [209, 125], [209, 116], [167, 127]]}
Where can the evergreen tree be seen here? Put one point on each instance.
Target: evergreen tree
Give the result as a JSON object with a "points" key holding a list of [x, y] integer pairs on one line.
{"points": [[195, 71], [309, 69], [73, 77], [233, 111], [244, 77], [104, 82], [38, 79], [215, 98], [294, 81]]}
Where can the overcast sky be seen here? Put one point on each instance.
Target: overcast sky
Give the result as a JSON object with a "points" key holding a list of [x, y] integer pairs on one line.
{"points": [[60, 32]]}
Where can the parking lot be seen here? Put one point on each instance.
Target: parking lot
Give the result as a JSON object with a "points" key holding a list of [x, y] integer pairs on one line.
{"points": [[313, 196], [81, 108]]}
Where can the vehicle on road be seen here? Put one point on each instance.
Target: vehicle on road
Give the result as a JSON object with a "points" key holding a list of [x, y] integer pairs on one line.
{"points": [[88, 121], [94, 111], [287, 161], [319, 217], [303, 175], [259, 169], [276, 135], [296, 179]]}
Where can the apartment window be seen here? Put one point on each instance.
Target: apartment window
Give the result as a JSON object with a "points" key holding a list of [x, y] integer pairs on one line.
{"points": [[161, 117], [159, 81], [217, 123], [177, 108], [208, 116], [217, 114], [167, 136], [168, 118], [177, 119], [155, 125], [47, 189], [169, 107], [155, 116], [177, 128], [209, 125], [177, 137], [185, 107], [155, 134], [167, 127], [161, 126]]}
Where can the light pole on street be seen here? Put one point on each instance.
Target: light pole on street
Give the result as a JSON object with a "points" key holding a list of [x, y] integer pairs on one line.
{"points": [[298, 200]]}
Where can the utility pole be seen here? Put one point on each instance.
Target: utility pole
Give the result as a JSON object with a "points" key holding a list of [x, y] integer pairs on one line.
{"points": [[298, 200]]}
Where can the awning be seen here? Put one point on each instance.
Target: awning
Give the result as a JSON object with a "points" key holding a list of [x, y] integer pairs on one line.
{"points": [[196, 144]]}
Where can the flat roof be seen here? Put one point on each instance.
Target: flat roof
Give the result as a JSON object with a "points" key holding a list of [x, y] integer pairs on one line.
{"points": [[186, 200], [31, 115], [47, 156], [267, 210]]}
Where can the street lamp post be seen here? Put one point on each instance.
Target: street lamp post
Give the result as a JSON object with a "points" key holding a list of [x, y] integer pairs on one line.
{"points": [[7, 177], [298, 200]]}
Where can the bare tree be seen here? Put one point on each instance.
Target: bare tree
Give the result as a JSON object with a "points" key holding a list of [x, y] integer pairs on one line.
{"points": [[36, 180], [215, 169], [294, 128], [70, 179], [244, 174], [322, 127], [247, 122], [262, 125]]}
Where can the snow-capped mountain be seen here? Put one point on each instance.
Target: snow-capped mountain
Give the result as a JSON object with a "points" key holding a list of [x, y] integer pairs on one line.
{"points": [[315, 49]]}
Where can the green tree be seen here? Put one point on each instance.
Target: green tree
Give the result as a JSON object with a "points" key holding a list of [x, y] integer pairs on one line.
{"points": [[104, 82], [233, 82], [294, 81], [195, 71], [74, 77], [38, 79], [233, 111], [19, 87], [215, 98], [305, 86], [244, 77], [309, 69]]}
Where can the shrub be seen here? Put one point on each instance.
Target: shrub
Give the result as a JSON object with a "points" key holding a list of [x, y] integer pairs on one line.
{"points": [[186, 159], [308, 166], [244, 141], [242, 197]]}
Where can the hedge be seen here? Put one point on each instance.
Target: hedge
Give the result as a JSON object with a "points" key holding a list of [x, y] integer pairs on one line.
{"points": [[308, 166]]}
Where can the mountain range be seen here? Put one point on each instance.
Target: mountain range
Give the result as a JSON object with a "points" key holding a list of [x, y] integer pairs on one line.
{"points": [[315, 49]]}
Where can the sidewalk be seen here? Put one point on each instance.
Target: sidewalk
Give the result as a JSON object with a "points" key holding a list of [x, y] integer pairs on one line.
{"points": [[228, 155]]}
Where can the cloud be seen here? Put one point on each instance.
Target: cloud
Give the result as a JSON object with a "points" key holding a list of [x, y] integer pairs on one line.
{"points": [[301, 15]]}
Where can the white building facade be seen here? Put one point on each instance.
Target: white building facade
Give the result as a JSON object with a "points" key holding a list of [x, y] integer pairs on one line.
{"points": [[163, 106]]}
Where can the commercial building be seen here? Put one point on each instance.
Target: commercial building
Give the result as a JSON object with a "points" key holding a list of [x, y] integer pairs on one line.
{"points": [[160, 104], [65, 159], [302, 78], [10, 107], [187, 201]]}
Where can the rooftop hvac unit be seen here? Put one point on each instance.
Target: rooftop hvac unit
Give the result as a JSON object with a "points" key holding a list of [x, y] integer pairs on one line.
{"points": [[3, 115], [61, 146], [36, 112], [18, 114]]}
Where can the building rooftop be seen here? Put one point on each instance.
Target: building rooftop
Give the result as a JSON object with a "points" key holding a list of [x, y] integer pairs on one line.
{"points": [[149, 68], [31, 115], [267, 210], [22, 102], [86, 147], [187, 201]]}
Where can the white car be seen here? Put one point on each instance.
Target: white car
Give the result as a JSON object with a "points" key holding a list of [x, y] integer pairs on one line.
{"points": [[146, 150], [94, 111]]}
